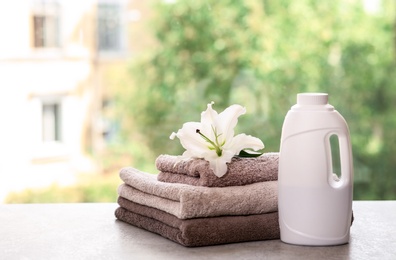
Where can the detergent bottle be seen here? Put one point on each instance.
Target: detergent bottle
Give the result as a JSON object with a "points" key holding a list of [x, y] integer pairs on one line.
{"points": [[315, 204]]}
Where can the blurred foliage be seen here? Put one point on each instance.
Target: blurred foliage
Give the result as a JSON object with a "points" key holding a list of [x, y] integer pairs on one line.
{"points": [[102, 188], [260, 54]]}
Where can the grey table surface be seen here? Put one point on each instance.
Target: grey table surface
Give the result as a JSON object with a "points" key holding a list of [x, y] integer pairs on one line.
{"points": [[90, 231]]}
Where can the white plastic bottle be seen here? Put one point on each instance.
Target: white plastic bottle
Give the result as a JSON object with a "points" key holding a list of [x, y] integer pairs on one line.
{"points": [[315, 205]]}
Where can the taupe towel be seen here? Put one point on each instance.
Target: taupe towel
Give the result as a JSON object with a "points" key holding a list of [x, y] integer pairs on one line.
{"points": [[241, 171], [187, 201], [200, 231]]}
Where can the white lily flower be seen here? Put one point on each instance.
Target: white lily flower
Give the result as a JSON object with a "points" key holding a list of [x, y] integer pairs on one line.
{"points": [[213, 138]]}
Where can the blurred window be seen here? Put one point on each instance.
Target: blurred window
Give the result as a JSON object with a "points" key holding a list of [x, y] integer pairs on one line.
{"points": [[109, 26], [46, 24], [51, 122]]}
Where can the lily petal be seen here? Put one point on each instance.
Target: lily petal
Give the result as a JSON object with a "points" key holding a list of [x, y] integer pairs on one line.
{"points": [[190, 140], [208, 119], [228, 119], [219, 164], [243, 141]]}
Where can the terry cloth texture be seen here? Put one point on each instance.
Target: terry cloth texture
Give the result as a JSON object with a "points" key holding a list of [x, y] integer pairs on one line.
{"points": [[241, 171], [187, 201], [200, 231]]}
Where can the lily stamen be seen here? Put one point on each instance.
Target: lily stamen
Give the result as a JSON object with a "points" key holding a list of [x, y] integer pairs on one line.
{"points": [[215, 144]]}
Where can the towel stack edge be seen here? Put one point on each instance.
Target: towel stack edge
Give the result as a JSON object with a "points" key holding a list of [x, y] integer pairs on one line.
{"points": [[241, 171], [187, 204]]}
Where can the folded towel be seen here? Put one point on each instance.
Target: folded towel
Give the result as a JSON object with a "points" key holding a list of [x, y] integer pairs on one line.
{"points": [[187, 201], [241, 171], [200, 231]]}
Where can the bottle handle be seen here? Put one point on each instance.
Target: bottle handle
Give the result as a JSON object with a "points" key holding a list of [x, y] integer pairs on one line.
{"points": [[346, 163]]}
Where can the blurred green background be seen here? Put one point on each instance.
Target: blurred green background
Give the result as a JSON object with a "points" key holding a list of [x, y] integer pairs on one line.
{"points": [[259, 54]]}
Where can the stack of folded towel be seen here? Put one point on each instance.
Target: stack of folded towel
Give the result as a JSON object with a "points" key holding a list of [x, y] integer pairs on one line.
{"points": [[188, 204]]}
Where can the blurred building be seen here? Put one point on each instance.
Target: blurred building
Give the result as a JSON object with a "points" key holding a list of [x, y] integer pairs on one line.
{"points": [[53, 55]]}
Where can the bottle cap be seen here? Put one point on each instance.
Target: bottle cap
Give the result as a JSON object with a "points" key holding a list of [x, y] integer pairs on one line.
{"points": [[312, 99], [312, 102]]}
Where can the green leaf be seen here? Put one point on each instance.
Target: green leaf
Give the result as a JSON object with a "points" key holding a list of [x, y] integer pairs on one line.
{"points": [[250, 154]]}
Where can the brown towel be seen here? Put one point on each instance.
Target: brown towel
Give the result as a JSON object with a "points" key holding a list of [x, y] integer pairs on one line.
{"points": [[200, 231], [241, 171], [187, 201]]}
